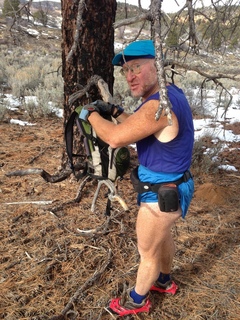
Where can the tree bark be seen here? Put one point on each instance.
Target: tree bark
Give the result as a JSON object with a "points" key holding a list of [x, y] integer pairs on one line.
{"points": [[87, 48]]}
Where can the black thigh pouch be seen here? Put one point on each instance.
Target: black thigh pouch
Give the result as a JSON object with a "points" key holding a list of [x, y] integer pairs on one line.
{"points": [[168, 198]]}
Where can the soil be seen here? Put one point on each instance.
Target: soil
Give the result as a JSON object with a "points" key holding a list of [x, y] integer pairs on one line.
{"points": [[68, 263]]}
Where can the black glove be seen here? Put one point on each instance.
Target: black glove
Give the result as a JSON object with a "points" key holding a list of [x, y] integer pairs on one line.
{"points": [[106, 108]]}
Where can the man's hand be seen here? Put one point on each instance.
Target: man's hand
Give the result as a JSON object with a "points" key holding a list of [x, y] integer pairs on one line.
{"points": [[103, 108], [109, 109], [87, 110]]}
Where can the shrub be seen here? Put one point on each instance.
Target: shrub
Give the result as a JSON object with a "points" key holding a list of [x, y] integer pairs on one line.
{"points": [[198, 101], [26, 78], [10, 7], [33, 77], [3, 110], [205, 155]]}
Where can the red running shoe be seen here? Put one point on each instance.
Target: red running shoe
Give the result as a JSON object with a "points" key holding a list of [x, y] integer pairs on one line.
{"points": [[169, 287], [125, 305]]}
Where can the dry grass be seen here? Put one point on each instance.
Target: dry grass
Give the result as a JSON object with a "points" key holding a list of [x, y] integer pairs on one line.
{"points": [[45, 262]]}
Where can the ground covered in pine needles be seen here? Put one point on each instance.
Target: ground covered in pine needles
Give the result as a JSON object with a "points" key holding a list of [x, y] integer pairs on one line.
{"points": [[67, 264]]}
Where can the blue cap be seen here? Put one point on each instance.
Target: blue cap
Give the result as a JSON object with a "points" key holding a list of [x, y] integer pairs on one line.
{"points": [[135, 50]]}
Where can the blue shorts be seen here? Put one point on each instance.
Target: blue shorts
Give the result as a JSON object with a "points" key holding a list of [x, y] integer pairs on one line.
{"points": [[185, 189]]}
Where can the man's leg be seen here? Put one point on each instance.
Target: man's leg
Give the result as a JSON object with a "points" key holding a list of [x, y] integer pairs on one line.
{"points": [[155, 244], [156, 248]]}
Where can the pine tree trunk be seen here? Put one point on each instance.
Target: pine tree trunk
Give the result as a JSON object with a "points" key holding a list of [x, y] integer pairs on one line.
{"points": [[87, 47]]}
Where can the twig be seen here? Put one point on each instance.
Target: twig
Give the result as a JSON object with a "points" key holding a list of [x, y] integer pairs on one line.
{"points": [[89, 282], [106, 309], [40, 202], [39, 155], [125, 22], [28, 255], [233, 175], [99, 230]]}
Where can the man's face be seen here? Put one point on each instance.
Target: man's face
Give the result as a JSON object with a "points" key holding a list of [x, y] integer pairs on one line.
{"points": [[141, 76]]}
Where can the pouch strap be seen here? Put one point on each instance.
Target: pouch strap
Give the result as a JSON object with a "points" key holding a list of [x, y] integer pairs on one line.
{"points": [[142, 187]]}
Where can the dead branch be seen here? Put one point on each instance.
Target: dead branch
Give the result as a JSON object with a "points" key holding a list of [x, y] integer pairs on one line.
{"points": [[39, 155], [103, 229], [44, 174], [81, 7], [97, 81], [139, 31], [72, 201], [233, 175], [190, 67], [192, 30], [164, 101], [104, 90], [88, 283], [112, 195], [40, 202], [126, 22]]}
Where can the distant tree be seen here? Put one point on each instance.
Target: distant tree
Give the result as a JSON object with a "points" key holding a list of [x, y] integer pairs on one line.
{"points": [[41, 16], [172, 39], [10, 7]]}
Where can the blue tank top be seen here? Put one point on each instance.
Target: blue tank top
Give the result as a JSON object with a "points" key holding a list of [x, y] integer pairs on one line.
{"points": [[173, 156]]}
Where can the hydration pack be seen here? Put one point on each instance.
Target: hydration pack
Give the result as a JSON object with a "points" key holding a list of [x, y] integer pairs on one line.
{"points": [[98, 160]]}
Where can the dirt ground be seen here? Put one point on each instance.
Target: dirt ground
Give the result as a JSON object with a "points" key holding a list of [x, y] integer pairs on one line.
{"points": [[49, 268]]}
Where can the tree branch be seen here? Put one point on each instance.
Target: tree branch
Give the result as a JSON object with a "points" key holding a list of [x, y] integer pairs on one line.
{"points": [[164, 104], [44, 174], [89, 282], [126, 22], [93, 81], [81, 7]]}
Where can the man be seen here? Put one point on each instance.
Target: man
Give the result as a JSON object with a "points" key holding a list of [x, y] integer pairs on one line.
{"points": [[164, 154]]}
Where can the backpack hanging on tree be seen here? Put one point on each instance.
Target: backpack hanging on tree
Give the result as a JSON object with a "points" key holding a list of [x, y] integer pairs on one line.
{"points": [[101, 162]]}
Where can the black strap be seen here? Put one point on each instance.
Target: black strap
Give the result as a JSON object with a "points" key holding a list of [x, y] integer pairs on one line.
{"points": [[142, 187], [119, 112], [69, 138], [69, 146]]}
